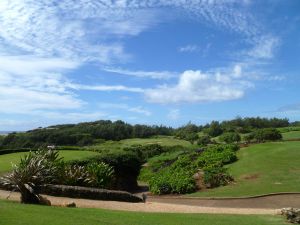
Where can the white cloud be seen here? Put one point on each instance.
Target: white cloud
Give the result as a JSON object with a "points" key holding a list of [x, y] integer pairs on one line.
{"points": [[195, 86], [135, 109], [264, 47], [140, 110], [189, 48], [30, 83], [104, 88], [89, 30], [143, 74]]}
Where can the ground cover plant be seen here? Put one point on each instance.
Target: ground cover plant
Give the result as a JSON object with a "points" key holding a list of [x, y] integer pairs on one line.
{"points": [[40, 215], [176, 176], [261, 169]]}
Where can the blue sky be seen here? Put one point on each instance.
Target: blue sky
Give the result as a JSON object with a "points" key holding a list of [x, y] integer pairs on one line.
{"points": [[148, 61]]}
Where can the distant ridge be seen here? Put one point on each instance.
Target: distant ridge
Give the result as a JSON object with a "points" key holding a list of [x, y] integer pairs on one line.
{"points": [[6, 132]]}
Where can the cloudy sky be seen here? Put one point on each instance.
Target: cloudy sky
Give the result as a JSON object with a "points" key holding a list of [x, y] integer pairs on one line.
{"points": [[147, 61]]}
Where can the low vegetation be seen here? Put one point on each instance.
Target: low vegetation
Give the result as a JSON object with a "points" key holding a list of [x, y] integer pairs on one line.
{"points": [[176, 176], [261, 169]]}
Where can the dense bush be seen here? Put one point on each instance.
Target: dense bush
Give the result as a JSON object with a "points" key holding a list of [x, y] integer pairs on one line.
{"points": [[215, 176], [126, 166], [204, 140], [218, 155], [146, 151], [214, 129], [175, 179], [77, 176], [178, 176], [266, 134], [230, 137], [102, 174]]}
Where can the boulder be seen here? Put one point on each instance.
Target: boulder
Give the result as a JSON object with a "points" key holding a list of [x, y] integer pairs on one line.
{"points": [[291, 214]]}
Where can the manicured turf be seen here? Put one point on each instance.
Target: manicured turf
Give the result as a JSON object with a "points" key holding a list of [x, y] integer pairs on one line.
{"points": [[161, 140], [292, 135], [6, 160], [261, 169], [16, 214]]}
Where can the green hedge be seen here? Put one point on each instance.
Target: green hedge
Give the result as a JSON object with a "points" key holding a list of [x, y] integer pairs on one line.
{"points": [[9, 151]]}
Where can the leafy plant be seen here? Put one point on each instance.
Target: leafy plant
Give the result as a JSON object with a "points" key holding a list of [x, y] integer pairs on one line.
{"points": [[34, 169], [77, 176], [215, 176], [102, 174]]}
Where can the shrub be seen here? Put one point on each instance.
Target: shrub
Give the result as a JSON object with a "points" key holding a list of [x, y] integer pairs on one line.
{"points": [[145, 151], [230, 137], [217, 155], [214, 129], [102, 174], [34, 169], [168, 181], [267, 134], [76, 175], [177, 178], [204, 140], [215, 176]]}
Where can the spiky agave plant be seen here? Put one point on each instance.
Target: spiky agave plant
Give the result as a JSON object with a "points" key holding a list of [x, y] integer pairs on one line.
{"points": [[34, 169]]}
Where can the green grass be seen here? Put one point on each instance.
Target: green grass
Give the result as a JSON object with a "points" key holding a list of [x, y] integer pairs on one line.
{"points": [[6, 160], [17, 214], [291, 135], [261, 169], [161, 140]]}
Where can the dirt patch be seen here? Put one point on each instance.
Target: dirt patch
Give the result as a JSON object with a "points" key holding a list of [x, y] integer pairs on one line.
{"points": [[250, 176]]}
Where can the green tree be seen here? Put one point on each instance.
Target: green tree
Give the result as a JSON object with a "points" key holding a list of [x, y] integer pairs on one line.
{"points": [[230, 137]]}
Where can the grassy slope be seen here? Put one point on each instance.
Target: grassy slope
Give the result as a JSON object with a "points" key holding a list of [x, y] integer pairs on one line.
{"points": [[161, 140], [17, 214], [291, 135], [262, 169], [6, 160]]}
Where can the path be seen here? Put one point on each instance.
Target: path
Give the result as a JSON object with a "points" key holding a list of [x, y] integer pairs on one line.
{"points": [[171, 205], [266, 202]]}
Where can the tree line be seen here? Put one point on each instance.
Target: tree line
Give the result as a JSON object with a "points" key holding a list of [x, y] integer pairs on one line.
{"points": [[99, 131]]}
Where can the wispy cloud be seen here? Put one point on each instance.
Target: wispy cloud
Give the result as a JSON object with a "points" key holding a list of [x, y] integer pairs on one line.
{"points": [[264, 47], [135, 109], [30, 83], [161, 75], [290, 108], [189, 48]]}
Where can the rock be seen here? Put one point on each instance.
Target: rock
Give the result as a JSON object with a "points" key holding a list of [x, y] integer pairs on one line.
{"points": [[70, 205], [44, 201], [199, 180], [291, 214]]}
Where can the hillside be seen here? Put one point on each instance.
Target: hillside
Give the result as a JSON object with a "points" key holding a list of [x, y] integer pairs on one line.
{"points": [[262, 169]]}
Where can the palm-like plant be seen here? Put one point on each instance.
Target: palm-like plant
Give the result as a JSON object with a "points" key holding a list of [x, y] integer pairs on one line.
{"points": [[34, 169]]}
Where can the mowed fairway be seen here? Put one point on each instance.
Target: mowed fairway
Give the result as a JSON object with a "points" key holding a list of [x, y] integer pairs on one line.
{"points": [[7, 159], [12, 213], [262, 169], [292, 135], [161, 140]]}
